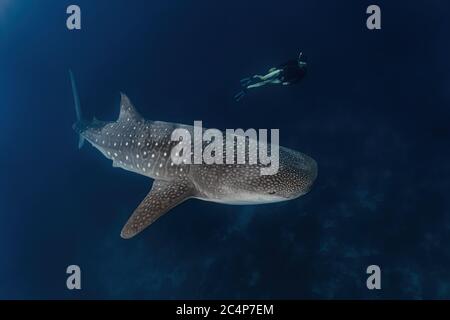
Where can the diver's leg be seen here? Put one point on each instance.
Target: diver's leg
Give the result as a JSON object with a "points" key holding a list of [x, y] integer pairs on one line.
{"points": [[253, 82], [250, 81], [265, 77], [238, 96], [273, 72], [258, 84], [258, 81], [257, 76], [271, 75]]}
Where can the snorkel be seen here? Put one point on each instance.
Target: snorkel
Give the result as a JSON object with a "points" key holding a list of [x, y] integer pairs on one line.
{"points": [[301, 63]]}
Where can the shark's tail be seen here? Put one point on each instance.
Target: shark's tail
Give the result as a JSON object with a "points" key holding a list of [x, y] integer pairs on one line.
{"points": [[76, 100]]}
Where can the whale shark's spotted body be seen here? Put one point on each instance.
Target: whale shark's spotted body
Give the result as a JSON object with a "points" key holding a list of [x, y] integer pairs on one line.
{"points": [[144, 147]]}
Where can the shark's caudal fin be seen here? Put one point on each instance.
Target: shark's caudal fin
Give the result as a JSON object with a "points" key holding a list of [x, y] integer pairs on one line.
{"points": [[164, 196], [76, 100]]}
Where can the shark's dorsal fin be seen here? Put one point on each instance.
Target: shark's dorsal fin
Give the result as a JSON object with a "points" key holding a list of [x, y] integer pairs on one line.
{"points": [[164, 196], [127, 111]]}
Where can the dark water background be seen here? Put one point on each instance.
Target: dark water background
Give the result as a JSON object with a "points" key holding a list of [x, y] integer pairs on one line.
{"points": [[373, 111]]}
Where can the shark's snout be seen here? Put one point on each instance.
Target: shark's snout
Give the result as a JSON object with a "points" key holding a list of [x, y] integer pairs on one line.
{"points": [[313, 171], [308, 174], [299, 173]]}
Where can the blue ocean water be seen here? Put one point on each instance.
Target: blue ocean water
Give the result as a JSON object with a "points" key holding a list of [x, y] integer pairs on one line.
{"points": [[373, 111]]}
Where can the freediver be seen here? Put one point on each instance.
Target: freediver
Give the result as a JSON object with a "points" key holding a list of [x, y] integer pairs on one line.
{"points": [[288, 73]]}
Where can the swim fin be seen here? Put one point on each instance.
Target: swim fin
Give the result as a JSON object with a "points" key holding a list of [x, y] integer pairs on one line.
{"points": [[245, 81], [238, 96]]}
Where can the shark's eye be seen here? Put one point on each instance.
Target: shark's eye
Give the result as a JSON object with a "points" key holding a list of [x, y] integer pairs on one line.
{"points": [[272, 192]]}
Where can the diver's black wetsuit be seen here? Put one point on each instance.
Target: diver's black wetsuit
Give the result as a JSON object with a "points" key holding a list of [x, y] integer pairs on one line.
{"points": [[291, 72]]}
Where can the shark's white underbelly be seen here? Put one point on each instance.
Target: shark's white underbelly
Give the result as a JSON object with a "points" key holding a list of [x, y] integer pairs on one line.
{"points": [[241, 198], [242, 201]]}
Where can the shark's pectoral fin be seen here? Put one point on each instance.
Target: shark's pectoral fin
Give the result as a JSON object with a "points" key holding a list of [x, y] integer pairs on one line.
{"points": [[164, 196]]}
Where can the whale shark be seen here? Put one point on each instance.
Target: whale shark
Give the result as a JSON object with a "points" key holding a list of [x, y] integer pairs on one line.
{"points": [[144, 147]]}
